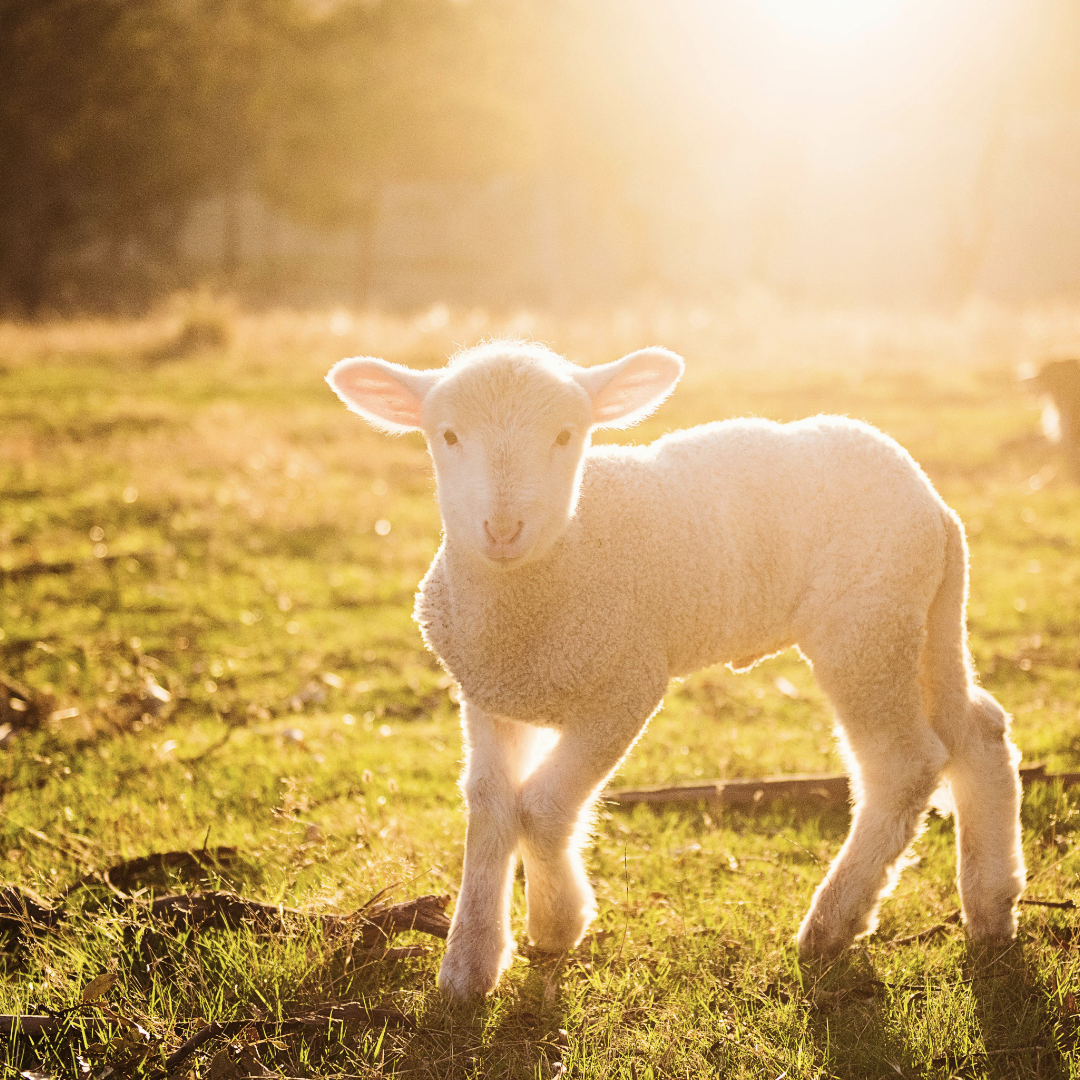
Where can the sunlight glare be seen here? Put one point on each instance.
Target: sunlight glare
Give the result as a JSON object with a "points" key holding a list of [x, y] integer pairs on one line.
{"points": [[830, 18]]}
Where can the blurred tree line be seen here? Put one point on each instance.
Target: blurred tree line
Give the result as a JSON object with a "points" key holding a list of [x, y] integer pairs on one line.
{"points": [[682, 128], [115, 115]]}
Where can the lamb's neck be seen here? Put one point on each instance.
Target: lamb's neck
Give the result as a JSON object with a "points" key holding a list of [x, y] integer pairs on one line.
{"points": [[490, 584]]}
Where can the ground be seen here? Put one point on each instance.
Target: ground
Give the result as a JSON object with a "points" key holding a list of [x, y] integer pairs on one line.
{"points": [[206, 580]]}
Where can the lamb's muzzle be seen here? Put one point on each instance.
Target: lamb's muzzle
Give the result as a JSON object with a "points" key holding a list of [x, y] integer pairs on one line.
{"points": [[503, 534], [564, 598]]}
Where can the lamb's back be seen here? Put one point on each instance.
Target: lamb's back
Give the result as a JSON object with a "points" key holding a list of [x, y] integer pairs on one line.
{"points": [[720, 543], [738, 525]]}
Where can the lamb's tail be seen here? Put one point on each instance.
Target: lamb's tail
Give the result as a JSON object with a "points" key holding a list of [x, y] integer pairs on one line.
{"points": [[981, 784], [948, 673]]}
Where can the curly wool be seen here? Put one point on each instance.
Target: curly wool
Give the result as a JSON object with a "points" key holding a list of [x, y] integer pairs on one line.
{"points": [[573, 583], [726, 543]]}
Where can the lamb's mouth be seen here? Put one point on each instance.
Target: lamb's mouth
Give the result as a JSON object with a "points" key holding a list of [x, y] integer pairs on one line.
{"points": [[505, 560]]}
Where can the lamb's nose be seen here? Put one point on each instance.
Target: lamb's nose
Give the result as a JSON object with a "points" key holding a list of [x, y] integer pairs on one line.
{"points": [[503, 531]]}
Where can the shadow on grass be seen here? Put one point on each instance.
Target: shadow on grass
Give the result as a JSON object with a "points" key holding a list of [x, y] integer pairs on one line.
{"points": [[519, 1034], [846, 1024], [1018, 1029]]}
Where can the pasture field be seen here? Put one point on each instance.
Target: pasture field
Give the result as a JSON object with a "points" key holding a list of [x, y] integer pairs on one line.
{"points": [[206, 577]]}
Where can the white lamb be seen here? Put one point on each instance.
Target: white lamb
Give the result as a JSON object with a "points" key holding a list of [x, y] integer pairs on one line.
{"points": [[574, 582]]}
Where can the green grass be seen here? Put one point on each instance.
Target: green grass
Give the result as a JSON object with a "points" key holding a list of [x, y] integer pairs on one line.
{"points": [[207, 526]]}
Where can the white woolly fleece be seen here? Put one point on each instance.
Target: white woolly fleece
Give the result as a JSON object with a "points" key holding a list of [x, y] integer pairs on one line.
{"points": [[574, 582], [722, 544]]}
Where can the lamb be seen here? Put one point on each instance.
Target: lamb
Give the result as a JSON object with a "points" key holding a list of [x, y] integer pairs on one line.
{"points": [[573, 582], [1058, 383]]}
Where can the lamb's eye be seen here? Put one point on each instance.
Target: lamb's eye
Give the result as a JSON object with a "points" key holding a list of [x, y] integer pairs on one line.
{"points": [[563, 438], [450, 437]]}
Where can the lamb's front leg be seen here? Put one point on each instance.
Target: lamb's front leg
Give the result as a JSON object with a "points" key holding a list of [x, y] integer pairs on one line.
{"points": [[497, 753], [556, 807]]}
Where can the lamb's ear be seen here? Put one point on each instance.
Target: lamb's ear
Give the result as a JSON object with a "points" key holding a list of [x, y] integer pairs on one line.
{"points": [[627, 390], [388, 396]]}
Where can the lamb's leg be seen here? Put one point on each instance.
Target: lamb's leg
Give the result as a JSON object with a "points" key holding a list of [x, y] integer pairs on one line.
{"points": [[895, 760], [497, 754], [556, 805], [985, 787]]}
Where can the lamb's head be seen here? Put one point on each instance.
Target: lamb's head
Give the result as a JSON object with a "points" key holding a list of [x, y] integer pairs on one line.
{"points": [[507, 425]]}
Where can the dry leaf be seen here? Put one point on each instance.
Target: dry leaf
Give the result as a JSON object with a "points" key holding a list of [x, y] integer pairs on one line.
{"points": [[99, 987], [248, 1064], [222, 1067]]}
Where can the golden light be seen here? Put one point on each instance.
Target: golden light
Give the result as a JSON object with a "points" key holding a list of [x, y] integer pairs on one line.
{"points": [[830, 18]]}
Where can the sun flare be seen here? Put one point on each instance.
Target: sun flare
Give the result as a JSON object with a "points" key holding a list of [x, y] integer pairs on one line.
{"points": [[830, 18]]}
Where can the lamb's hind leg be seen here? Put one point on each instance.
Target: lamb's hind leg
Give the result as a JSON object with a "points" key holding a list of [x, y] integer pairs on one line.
{"points": [[895, 760], [556, 805], [985, 788], [498, 754]]}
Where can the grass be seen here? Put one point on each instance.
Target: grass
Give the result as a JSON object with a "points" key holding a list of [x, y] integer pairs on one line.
{"points": [[214, 525]]}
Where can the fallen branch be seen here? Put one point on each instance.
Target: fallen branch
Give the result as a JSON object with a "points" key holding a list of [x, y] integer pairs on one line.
{"points": [[426, 913], [23, 911], [321, 1017], [1065, 905], [827, 789], [223, 910], [31, 1025], [227, 910], [821, 789]]}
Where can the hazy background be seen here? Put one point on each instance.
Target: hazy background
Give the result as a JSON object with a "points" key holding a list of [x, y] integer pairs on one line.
{"points": [[209, 674], [563, 154]]}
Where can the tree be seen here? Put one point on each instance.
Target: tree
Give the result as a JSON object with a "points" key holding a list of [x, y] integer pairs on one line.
{"points": [[114, 114]]}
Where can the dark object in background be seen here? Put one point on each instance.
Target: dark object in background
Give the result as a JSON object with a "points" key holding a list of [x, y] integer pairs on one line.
{"points": [[1057, 382], [200, 330], [20, 707]]}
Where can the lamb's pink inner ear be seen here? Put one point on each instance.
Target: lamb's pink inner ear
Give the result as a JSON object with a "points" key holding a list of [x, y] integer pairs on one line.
{"points": [[640, 383], [373, 389]]}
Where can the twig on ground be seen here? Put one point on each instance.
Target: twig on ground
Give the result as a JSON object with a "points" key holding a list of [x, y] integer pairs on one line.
{"points": [[924, 935], [320, 1016], [426, 913], [378, 896], [194, 910], [827, 789], [1066, 905], [24, 911], [30, 1025], [352, 1012], [213, 748]]}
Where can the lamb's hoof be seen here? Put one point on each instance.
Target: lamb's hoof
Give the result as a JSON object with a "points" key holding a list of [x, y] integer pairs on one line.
{"points": [[466, 976], [989, 944], [556, 939], [990, 924], [817, 942], [556, 923]]}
